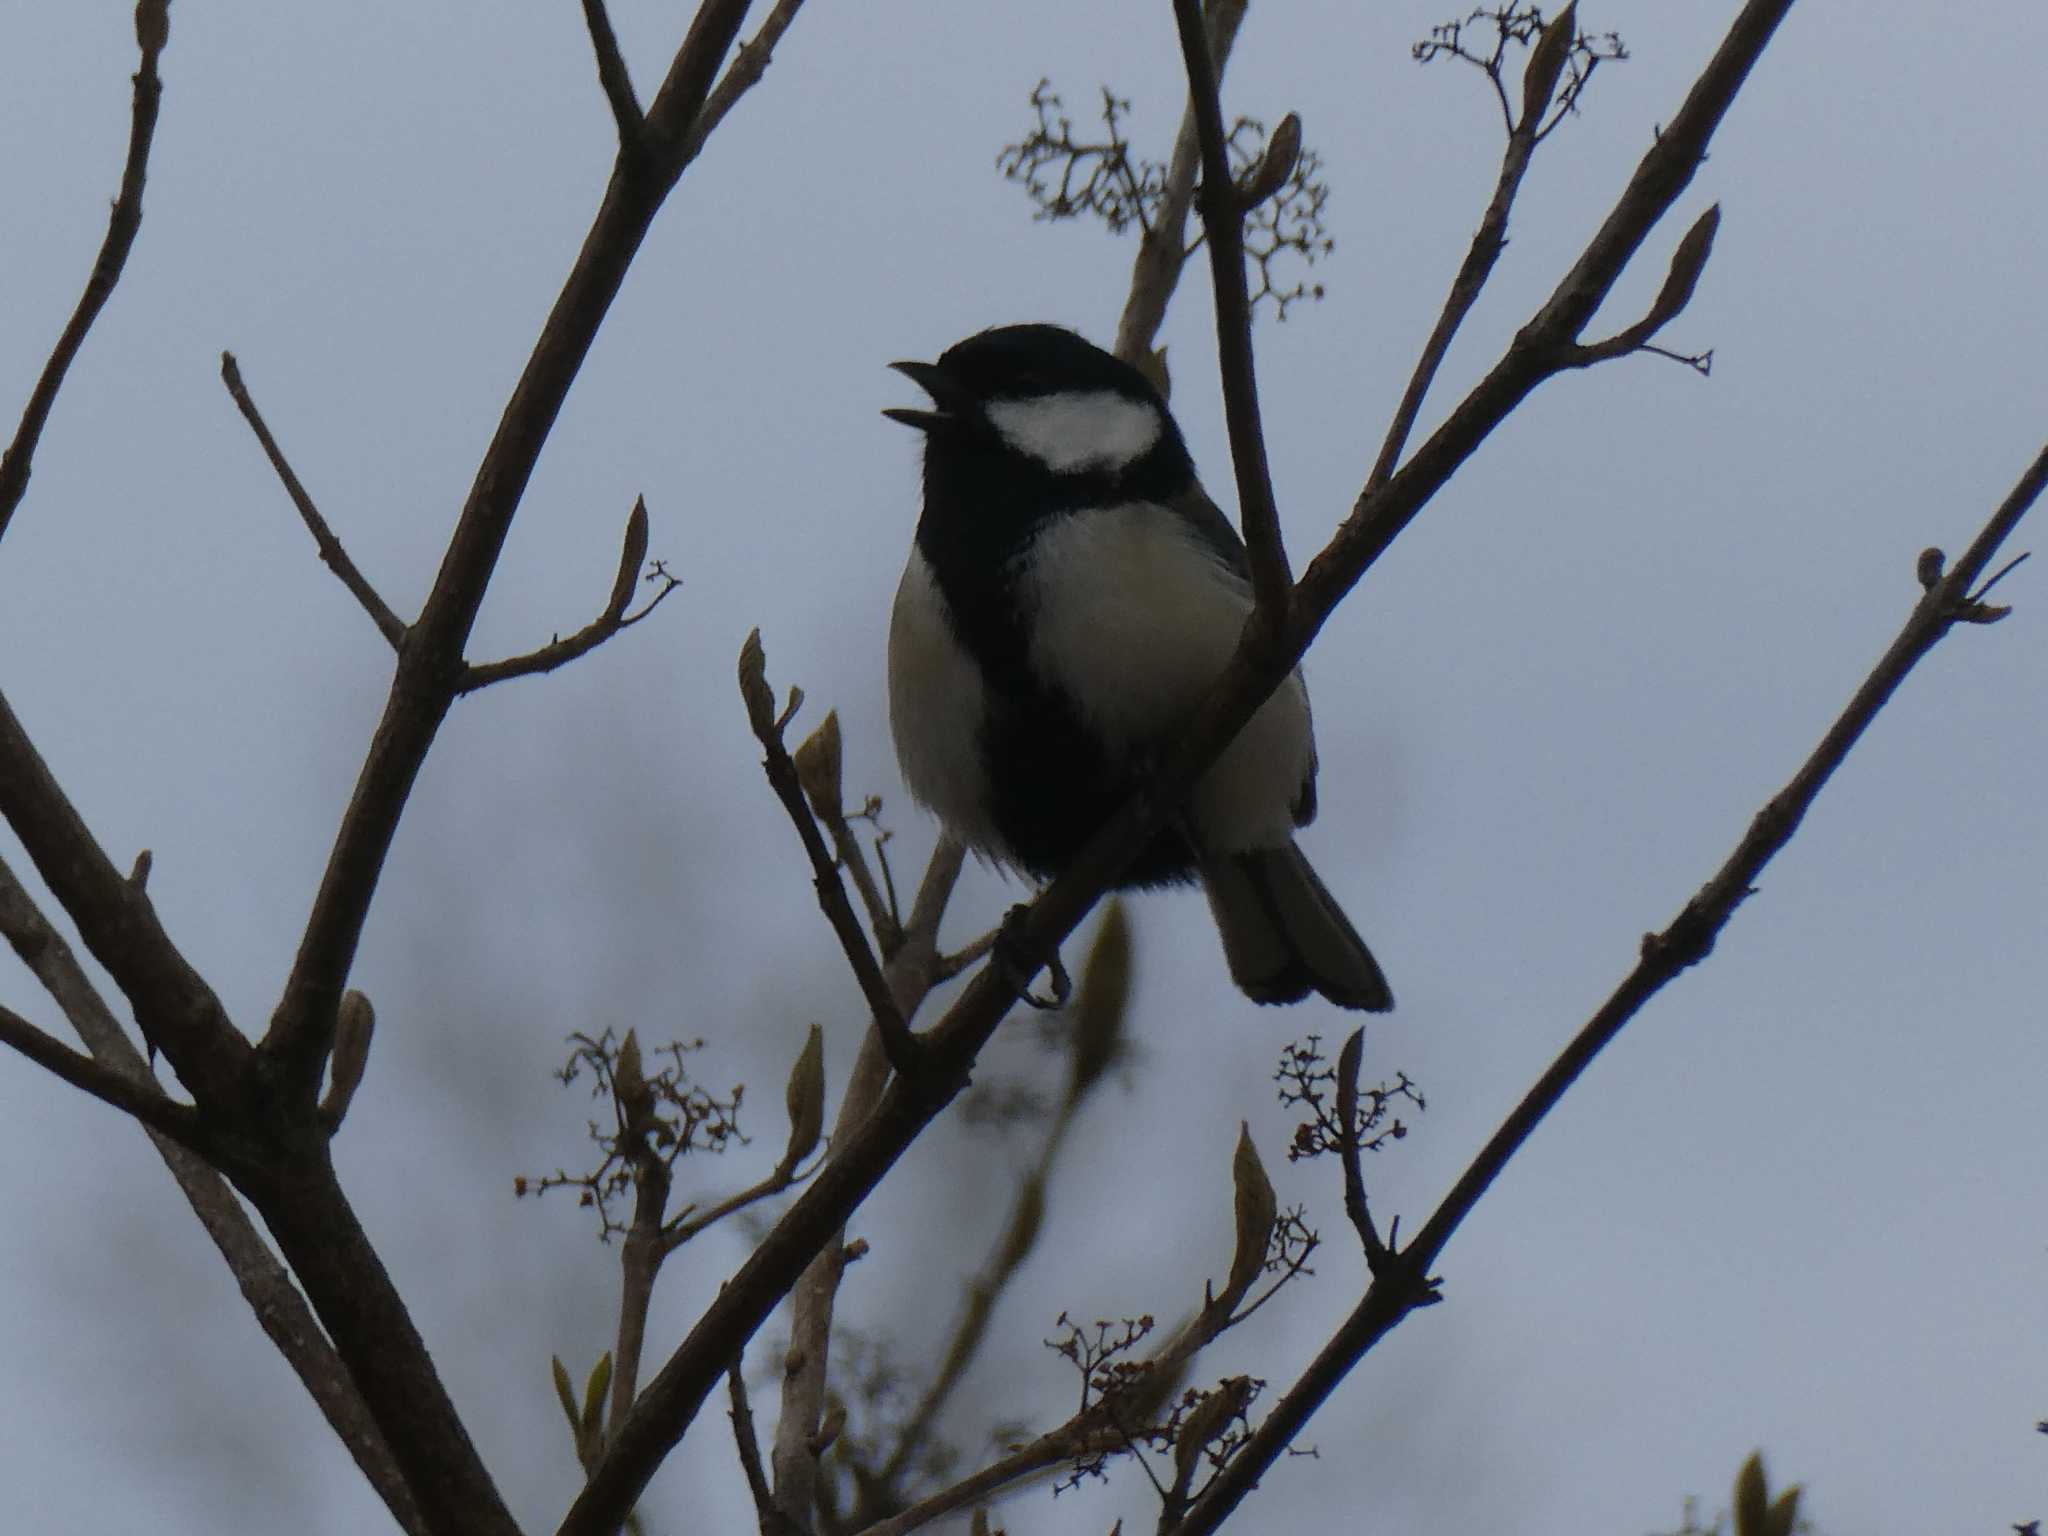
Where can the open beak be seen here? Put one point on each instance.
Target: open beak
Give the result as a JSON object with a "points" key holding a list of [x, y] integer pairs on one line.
{"points": [[946, 395]]}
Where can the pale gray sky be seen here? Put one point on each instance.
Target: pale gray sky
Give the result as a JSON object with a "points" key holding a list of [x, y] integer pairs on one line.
{"points": [[1798, 1205]]}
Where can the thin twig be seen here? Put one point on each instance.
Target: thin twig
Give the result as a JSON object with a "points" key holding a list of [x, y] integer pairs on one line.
{"points": [[147, 1103], [1223, 220], [1350, 1062], [152, 30], [772, 1520], [897, 1040], [750, 62], [1397, 1288], [613, 76], [389, 625], [1487, 244], [679, 1233], [1069, 1441], [614, 618], [1162, 248]]}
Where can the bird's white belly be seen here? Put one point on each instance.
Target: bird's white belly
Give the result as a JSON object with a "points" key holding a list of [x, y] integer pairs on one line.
{"points": [[937, 704], [1134, 619]]}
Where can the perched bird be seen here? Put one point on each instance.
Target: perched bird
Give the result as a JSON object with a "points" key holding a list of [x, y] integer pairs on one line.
{"points": [[1071, 595]]}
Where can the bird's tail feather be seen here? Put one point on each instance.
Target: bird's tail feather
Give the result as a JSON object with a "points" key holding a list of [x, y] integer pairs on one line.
{"points": [[1284, 934]]}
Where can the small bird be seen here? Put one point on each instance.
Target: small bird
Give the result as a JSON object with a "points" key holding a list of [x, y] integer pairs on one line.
{"points": [[1071, 595]]}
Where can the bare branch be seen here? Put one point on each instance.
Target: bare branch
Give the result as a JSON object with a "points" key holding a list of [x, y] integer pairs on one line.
{"points": [[389, 625], [1223, 220], [911, 972], [1063, 1444], [273, 1299], [750, 62], [560, 652], [1399, 1286], [1688, 261], [773, 1521], [1163, 251], [152, 31], [423, 688], [1488, 242], [820, 761], [174, 1006], [897, 1040], [613, 76], [1349, 1064], [179, 1122]]}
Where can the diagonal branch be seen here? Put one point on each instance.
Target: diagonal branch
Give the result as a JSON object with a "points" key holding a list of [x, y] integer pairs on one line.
{"points": [[1488, 242], [176, 1009], [750, 62], [429, 670], [389, 625], [560, 652], [1223, 218], [152, 31], [613, 76], [1162, 247], [274, 1301], [912, 973], [1398, 1288], [897, 1040], [179, 1122]]}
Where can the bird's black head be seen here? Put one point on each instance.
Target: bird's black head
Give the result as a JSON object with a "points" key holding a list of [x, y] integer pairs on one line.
{"points": [[1042, 410]]}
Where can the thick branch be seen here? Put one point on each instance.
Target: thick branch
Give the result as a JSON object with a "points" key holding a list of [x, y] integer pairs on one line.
{"points": [[179, 1122], [173, 1004], [430, 669], [302, 1203], [274, 1300], [614, 618], [1223, 219], [152, 31], [389, 625], [1397, 1288]]}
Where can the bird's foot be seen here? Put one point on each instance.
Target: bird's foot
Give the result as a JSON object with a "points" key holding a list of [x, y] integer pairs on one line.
{"points": [[1018, 969]]}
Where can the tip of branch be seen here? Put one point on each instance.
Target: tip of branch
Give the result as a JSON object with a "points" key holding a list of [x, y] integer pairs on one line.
{"points": [[632, 554], [1283, 151]]}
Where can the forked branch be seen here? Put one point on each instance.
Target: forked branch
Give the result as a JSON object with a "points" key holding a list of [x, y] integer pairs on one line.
{"points": [[560, 651]]}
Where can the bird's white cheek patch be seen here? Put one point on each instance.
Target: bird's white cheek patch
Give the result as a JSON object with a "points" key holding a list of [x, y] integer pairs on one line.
{"points": [[1098, 430], [936, 708]]}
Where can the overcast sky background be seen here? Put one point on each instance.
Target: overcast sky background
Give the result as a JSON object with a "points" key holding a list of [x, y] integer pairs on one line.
{"points": [[1798, 1205]]}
